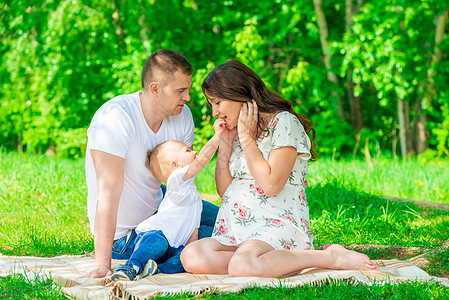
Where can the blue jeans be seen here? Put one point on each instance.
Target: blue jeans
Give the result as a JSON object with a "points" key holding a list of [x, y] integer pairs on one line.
{"points": [[124, 246], [154, 245]]}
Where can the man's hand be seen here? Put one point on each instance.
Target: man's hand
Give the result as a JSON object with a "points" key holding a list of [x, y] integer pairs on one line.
{"points": [[98, 272]]}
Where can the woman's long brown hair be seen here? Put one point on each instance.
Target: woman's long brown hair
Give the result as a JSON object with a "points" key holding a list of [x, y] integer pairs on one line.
{"points": [[233, 80]]}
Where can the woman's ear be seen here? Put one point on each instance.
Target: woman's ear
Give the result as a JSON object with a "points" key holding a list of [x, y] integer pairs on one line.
{"points": [[174, 164]]}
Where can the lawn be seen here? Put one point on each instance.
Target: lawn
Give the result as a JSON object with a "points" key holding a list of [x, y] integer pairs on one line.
{"points": [[44, 213]]}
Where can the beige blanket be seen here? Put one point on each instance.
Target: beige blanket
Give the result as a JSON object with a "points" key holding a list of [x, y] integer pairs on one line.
{"points": [[66, 270]]}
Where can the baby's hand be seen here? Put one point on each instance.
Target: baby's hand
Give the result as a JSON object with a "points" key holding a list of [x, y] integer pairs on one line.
{"points": [[219, 126]]}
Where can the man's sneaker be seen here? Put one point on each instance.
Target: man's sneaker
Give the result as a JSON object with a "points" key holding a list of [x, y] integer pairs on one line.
{"points": [[124, 272], [149, 269]]}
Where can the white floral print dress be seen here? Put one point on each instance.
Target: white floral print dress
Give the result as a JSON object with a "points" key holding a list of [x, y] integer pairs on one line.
{"points": [[247, 213]]}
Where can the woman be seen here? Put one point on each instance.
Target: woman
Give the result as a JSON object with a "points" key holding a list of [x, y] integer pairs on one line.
{"points": [[262, 228]]}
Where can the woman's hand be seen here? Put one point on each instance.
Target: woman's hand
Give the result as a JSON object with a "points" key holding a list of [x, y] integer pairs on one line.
{"points": [[247, 125]]}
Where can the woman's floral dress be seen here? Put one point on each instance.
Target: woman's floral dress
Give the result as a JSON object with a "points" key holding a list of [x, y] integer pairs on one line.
{"points": [[247, 213]]}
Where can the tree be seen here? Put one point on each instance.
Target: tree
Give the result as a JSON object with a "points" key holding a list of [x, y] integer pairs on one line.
{"points": [[331, 76]]}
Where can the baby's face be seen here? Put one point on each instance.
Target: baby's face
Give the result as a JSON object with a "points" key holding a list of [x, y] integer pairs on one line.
{"points": [[182, 153]]}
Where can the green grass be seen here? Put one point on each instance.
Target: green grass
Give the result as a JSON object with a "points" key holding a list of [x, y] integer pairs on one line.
{"points": [[21, 287], [337, 290], [18, 286], [44, 213], [416, 179]]}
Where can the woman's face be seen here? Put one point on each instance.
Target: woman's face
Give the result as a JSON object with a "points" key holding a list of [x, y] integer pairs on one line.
{"points": [[226, 110]]}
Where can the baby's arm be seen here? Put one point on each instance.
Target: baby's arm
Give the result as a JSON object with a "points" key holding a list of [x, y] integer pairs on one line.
{"points": [[207, 152], [193, 237]]}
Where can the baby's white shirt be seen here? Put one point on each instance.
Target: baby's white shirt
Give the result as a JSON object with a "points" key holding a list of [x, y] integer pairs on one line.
{"points": [[179, 212]]}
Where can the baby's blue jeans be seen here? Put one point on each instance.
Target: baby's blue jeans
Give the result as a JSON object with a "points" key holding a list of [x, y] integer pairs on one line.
{"points": [[169, 261]]}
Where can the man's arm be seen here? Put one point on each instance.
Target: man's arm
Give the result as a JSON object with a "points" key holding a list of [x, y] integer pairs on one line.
{"points": [[109, 170]]}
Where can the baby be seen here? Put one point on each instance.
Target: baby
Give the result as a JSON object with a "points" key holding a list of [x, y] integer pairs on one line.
{"points": [[163, 235]]}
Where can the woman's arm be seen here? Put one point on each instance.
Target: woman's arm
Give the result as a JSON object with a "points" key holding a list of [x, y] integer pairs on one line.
{"points": [[273, 174]]}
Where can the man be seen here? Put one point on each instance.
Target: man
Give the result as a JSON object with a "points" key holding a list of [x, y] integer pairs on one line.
{"points": [[122, 192]]}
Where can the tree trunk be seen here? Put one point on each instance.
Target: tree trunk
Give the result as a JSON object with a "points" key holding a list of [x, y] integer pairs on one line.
{"points": [[324, 33], [439, 35], [420, 126], [404, 125], [395, 143], [354, 102], [421, 130], [118, 24], [441, 21], [408, 127], [402, 135], [19, 143], [145, 29]]}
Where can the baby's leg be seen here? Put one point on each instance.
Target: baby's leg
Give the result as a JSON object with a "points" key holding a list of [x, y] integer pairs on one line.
{"points": [[172, 264], [151, 245]]}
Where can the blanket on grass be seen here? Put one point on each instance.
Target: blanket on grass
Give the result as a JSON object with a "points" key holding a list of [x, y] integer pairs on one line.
{"points": [[66, 270]]}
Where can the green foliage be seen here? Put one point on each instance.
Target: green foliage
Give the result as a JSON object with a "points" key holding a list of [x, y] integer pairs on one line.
{"points": [[440, 263], [60, 60], [442, 132]]}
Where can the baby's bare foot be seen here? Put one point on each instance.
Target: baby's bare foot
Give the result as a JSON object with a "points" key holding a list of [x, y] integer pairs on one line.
{"points": [[350, 260]]}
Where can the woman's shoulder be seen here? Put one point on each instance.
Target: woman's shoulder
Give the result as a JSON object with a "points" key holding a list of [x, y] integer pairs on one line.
{"points": [[284, 117]]}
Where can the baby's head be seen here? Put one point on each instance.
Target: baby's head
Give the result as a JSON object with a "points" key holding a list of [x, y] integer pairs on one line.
{"points": [[167, 157]]}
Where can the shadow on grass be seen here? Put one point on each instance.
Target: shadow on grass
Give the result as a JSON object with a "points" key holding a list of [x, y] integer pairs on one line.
{"points": [[341, 215]]}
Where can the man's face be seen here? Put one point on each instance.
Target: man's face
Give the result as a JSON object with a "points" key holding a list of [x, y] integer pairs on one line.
{"points": [[175, 93]]}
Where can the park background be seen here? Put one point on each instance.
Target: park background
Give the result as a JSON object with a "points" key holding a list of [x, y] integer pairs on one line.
{"points": [[372, 75]]}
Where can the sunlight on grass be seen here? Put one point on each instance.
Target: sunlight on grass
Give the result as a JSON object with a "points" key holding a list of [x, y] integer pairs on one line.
{"points": [[18, 286], [44, 212], [404, 179], [336, 290]]}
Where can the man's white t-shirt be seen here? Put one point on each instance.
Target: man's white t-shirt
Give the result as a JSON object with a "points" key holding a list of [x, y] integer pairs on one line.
{"points": [[119, 128], [180, 211]]}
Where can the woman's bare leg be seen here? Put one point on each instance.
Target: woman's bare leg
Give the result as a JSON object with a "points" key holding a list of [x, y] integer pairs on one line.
{"points": [[257, 258], [207, 256]]}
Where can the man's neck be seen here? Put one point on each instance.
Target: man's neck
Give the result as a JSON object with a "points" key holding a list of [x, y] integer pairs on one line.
{"points": [[152, 112]]}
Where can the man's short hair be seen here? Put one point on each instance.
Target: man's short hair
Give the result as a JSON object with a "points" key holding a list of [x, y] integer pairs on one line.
{"points": [[166, 61]]}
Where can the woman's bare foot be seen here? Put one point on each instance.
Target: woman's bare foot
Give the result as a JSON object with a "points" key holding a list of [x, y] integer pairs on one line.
{"points": [[350, 260]]}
